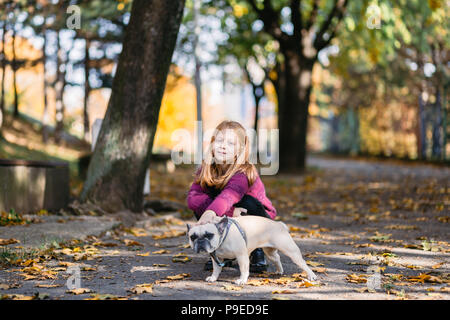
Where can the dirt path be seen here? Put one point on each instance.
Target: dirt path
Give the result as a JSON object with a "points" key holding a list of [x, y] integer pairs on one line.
{"points": [[370, 230]]}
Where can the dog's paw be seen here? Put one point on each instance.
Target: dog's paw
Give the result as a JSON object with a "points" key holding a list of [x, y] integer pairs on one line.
{"points": [[240, 282], [211, 279], [312, 277]]}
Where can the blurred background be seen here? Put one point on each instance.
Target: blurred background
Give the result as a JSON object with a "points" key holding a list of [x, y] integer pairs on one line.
{"points": [[379, 86]]}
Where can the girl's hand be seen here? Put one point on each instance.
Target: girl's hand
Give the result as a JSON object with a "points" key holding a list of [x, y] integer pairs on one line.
{"points": [[208, 216], [237, 212]]}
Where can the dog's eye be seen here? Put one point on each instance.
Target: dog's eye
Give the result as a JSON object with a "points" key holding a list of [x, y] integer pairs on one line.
{"points": [[193, 237], [209, 236]]}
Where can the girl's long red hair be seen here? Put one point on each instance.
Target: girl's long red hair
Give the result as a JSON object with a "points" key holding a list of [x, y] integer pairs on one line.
{"points": [[217, 175]]}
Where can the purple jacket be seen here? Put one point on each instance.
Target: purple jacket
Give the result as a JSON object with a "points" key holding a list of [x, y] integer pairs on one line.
{"points": [[200, 200]]}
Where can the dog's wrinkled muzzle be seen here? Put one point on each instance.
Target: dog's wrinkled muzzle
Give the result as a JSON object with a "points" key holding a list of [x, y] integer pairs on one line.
{"points": [[201, 245]]}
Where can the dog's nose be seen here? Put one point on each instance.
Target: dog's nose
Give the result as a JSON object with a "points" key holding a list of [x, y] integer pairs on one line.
{"points": [[199, 246]]}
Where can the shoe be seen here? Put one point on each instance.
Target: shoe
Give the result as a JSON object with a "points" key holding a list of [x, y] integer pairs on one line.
{"points": [[258, 262], [228, 263]]}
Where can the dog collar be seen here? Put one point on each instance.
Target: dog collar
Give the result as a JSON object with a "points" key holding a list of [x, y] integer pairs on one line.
{"points": [[225, 234]]}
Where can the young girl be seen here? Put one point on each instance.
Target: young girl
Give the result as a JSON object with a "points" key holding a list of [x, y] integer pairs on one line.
{"points": [[227, 184]]}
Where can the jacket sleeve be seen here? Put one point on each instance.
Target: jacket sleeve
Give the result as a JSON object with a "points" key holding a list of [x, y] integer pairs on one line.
{"points": [[198, 199], [233, 192]]}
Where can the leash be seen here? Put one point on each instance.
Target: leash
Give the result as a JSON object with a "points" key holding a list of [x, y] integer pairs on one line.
{"points": [[225, 234]]}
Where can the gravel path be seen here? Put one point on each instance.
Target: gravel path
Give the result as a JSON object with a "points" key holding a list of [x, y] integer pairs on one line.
{"points": [[370, 230]]}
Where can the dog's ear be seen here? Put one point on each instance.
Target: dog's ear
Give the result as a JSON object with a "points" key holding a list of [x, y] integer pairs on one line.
{"points": [[222, 224], [188, 226]]}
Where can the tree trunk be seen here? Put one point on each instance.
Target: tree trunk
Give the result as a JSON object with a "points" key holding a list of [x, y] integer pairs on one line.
{"points": [[437, 127], [116, 173], [87, 89], [45, 85], [2, 98], [59, 88], [14, 68], [293, 111]]}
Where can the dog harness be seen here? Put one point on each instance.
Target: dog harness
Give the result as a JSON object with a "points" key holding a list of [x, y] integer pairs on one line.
{"points": [[225, 233]]}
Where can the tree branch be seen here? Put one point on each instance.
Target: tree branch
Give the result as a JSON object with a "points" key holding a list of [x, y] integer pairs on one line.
{"points": [[270, 18], [337, 12], [296, 19], [313, 15]]}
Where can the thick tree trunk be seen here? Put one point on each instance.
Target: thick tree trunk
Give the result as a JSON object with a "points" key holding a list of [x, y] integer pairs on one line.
{"points": [[2, 98], [293, 111], [117, 169], [87, 89]]}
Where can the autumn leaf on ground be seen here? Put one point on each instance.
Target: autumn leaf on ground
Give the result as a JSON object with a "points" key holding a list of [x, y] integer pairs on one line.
{"points": [[319, 270], [354, 278], [137, 232], [142, 288], [258, 282], [105, 244], [380, 237], [181, 257], [143, 254], [43, 285], [314, 264], [437, 266], [285, 291], [4, 242], [305, 284], [162, 251], [16, 297], [78, 291], [169, 234], [129, 243], [401, 227], [105, 297], [231, 288], [423, 277], [160, 265], [180, 276]]}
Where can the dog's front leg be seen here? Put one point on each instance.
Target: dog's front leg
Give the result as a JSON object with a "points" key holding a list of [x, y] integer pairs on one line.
{"points": [[216, 272], [244, 266]]}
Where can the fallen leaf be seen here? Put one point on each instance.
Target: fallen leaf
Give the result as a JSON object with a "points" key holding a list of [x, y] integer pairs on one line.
{"points": [[162, 251], [43, 285], [354, 278], [143, 254], [314, 264], [129, 243], [5, 242], [79, 291], [286, 291], [231, 288], [180, 276], [142, 288]]}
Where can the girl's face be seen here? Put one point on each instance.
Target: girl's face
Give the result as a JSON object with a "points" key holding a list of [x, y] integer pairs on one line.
{"points": [[225, 146]]}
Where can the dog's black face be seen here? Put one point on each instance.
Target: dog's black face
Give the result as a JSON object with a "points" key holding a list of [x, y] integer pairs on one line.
{"points": [[202, 242], [206, 237]]}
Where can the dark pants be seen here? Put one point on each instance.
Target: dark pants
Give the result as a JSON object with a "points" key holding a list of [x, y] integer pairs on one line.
{"points": [[253, 206]]}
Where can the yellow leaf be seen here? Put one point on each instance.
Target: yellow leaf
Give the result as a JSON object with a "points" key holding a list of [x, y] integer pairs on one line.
{"points": [[142, 288], [231, 288], [129, 243], [4, 242], [286, 291], [143, 254], [180, 276], [79, 291], [162, 251]]}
